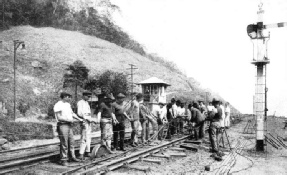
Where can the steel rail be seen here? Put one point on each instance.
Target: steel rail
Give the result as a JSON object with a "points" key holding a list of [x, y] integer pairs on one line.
{"points": [[120, 162], [9, 163]]}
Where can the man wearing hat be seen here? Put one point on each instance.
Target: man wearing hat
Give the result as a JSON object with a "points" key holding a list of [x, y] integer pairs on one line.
{"points": [[198, 118], [84, 111], [107, 117], [119, 128], [214, 128], [65, 118], [145, 117]]}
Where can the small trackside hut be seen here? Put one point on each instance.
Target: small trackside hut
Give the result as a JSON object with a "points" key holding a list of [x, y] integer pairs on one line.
{"points": [[154, 91]]}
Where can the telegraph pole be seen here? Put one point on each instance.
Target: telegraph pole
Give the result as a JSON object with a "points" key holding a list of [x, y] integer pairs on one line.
{"points": [[132, 68]]}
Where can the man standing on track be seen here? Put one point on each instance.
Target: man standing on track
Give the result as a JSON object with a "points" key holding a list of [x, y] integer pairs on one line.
{"points": [[170, 118], [227, 115], [146, 117], [135, 123], [107, 118], [198, 118], [161, 119], [202, 107], [223, 114], [119, 128], [64, 116], [84, 112], [182, 116], [215, 126]]}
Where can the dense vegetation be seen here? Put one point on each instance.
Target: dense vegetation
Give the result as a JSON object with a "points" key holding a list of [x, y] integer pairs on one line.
{"points": [[57, 13]]}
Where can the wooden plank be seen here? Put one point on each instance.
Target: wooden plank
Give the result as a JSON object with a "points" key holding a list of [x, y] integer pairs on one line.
{"points": [[161, 156], [177, 154], [151, 160], [138, 168], [193, 142], [189, 147], [178, 149]]}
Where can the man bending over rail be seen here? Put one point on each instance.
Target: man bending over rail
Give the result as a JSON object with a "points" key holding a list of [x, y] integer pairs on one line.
{"points": [[64, 116]]}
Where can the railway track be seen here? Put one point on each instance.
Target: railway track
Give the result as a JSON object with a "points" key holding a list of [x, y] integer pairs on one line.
{"points": [[141, 155], [13, 160]]}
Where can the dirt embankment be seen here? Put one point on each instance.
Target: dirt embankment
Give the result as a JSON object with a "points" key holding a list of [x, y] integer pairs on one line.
{"points": [[41, 66]]}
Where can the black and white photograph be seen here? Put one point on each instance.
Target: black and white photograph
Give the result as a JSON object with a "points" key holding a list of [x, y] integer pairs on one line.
{"points": [[143, 87]]}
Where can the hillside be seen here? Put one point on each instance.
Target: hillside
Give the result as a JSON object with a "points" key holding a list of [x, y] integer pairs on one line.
{"points": [[54, 49]]}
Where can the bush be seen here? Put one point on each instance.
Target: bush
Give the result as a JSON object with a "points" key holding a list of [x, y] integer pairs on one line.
{"points": [[14, 131]]}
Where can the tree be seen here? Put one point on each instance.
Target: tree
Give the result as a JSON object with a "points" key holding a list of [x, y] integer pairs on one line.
{"points": [[109, 82], [77, 75]]}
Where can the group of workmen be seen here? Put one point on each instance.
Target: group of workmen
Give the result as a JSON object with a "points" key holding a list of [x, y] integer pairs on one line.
{"points": [[114, 114]]}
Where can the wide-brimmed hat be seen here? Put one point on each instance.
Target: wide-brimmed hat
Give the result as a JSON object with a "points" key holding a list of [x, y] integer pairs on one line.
{"points": [[65, 94], [215, 101], [160, 103], [87, 93], [120, 95], [110, 97]]}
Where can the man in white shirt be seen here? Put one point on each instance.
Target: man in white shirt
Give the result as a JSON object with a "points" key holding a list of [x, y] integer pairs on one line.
{"points": [[64, 116], [161, 114], [135, 123], [227, 115], [84, 111], [174, 113], [210, 107], [223, 114]]}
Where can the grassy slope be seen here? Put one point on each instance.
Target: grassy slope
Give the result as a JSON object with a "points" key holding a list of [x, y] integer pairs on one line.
{"points": [[55, 49]]}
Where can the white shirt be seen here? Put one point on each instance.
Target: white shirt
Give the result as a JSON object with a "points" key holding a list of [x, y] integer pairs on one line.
{"points": [[227, 110], [84, 109], [223, 115], [174, 110], [65, 109], [210, 108], [181, 111], [162, 112]]}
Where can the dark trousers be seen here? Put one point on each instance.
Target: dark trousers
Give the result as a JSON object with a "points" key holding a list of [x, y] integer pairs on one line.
{"points": [[214, 129], [199, 131], [171, 127], [160, 131], [180, 125], [119, 129], [66, 136]]}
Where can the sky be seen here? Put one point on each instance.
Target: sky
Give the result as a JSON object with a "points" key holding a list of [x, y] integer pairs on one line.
{"points": [[207, 39]]}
